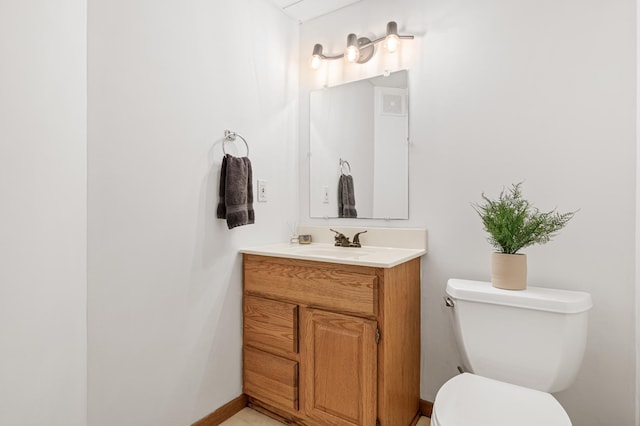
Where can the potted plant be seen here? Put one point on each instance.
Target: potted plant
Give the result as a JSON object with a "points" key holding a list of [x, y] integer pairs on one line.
{"points": [[513, 223]]}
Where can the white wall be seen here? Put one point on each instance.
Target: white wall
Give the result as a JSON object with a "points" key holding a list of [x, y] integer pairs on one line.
{"points": [[637, 319], [43, 213], [165, 80], [501, 92]]}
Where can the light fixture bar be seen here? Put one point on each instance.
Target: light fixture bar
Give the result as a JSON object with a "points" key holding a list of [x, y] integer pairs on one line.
{"points": [[361, 50], [383, 38], [317, 51]]}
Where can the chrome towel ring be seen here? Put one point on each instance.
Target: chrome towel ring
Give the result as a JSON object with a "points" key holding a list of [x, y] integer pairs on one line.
{"points": [[345, 163], [230, 136]]}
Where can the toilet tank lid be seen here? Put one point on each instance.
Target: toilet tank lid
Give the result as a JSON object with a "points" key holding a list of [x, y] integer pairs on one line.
{"points": [[539, 298]]}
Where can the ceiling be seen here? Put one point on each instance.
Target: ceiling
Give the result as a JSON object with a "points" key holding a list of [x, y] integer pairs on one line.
{"points": [[305, 10]]}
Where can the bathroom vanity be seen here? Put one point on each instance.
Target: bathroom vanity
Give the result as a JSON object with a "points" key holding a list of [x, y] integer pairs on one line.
{"points": [[330, 338]]}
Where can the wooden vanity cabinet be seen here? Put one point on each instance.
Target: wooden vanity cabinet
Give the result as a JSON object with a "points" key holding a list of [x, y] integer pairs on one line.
{"points": [[332, 344]]}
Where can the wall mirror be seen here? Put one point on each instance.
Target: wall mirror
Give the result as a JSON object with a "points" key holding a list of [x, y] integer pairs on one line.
{"points": [[359, 149]]}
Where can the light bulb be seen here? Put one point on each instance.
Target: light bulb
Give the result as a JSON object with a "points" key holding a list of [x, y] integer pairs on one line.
{"points": [[316, 57], [392, 40], [352, 54], [391, 43], [315, 62]]}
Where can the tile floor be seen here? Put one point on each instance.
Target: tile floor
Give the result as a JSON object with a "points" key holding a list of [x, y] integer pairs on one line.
{"points": [[249, 417]]}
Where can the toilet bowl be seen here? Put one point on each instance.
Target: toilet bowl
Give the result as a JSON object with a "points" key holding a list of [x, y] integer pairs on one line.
{"points": [[518, 346]]}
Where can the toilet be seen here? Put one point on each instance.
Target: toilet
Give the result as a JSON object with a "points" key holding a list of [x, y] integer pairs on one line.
{"points": [[517, 348]]}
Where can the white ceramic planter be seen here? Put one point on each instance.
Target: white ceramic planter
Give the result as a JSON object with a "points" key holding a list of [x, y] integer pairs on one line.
{"points": [[509, 271]]}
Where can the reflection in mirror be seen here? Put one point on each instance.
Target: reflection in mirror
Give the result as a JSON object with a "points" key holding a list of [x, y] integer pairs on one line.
{"points": [[359, 162]]}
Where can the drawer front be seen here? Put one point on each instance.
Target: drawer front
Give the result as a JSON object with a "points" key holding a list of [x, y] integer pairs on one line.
{"points": [[331, 287], [271, 325], [270, 378]]}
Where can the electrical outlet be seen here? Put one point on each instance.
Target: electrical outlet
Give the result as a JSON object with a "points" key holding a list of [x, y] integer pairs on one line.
{"points": [[325, 195], [262, 191]]}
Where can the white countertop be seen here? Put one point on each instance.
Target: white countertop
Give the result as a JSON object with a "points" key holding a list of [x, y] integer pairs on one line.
{"points": [[380, 257]]}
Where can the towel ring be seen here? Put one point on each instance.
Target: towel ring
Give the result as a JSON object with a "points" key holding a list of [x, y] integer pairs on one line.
{"points": [[230, 136], [342, 164]]}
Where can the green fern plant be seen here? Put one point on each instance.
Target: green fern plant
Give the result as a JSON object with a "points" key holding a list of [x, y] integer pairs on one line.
{"points": [[513, 223]]}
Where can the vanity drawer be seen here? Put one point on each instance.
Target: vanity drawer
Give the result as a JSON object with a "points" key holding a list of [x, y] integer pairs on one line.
{"points": [[270, 378], [331, 286], [271, 325]]}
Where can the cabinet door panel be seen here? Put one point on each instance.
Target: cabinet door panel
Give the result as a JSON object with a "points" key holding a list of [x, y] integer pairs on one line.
{"points": [[339, 361]]}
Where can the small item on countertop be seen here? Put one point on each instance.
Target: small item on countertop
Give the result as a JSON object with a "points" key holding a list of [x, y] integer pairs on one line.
{"points": [[304, 239]]}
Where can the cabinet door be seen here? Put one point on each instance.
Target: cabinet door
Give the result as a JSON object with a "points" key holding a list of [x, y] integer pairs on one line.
{"points": [[338, 358]]}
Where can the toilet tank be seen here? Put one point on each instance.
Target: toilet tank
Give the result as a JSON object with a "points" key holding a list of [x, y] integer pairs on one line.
{"points": [[533, 338]]}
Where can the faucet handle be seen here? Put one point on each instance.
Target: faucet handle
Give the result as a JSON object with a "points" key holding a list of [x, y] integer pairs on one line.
{"points": [[341, 239], [356, 239]]}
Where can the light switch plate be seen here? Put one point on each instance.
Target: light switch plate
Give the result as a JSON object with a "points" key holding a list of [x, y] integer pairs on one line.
{"points": [[262, 191]]}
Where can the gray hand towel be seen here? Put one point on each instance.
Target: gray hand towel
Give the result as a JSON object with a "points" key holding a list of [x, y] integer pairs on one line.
{"points": [[346, 197], [236, 192]]}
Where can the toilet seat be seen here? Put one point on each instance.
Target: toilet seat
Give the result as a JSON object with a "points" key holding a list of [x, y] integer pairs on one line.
{"points": [[472, 400]]}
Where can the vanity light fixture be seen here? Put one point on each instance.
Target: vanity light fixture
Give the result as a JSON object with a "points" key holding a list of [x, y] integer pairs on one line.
{"points": [[360, 50]]}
